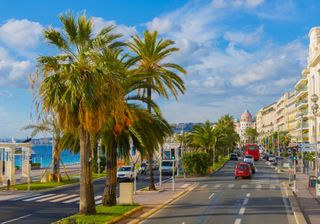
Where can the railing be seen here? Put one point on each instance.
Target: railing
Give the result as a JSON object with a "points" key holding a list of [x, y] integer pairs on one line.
{"points": [[301, 102]]}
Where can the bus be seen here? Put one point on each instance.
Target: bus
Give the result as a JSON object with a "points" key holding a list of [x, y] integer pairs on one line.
{"points": [[253, 150]]}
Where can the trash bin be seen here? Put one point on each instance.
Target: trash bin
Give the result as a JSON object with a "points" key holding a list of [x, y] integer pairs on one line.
{"points": [[126, 193], [312, 181]]}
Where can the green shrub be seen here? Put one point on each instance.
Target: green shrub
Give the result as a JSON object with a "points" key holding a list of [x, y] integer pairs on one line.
{"points": [[196, 163]]}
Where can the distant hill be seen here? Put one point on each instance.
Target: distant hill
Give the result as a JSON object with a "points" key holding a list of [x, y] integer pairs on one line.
{"points": [[186, 127]]}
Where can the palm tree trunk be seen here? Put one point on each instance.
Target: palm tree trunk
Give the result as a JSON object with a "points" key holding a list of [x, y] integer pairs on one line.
{"points": [[109, 195], [87, 203], [152, 187], [56, 177]]}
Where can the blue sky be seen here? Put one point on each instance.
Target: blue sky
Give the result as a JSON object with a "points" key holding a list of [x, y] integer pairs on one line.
{"points": [[238, 53]]}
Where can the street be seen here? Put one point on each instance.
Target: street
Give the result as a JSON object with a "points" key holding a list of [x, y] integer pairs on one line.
{"points": [[222, 199], [54, 204]]}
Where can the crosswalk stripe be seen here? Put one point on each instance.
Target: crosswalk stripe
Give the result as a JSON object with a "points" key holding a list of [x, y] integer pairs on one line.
{"points": [[64, 198], [231, 185], [244, 186], [204, 186], [259, 186], [53, 197], [98, 202], [35, 198], [185, 185], [95, 198], [72, 200], [216, 185], [273, 187], [24, 197]]}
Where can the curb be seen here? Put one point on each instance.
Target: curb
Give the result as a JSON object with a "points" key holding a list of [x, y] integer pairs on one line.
{"points": [[217, 170], [163, 205], [296, 209], [125, 215]]}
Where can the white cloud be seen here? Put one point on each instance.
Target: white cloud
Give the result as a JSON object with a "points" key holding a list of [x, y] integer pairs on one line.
{"points": [[126, 31], [21, 34], [243, 38], [218, 4], [5, 94]]}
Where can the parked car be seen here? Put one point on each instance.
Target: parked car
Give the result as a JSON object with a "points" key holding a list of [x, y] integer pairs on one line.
{"points": [[126, 173], [166, 168], [155, 165], [271, 158], [234, 156], [252, 166], [242, 170], [248, 158]]}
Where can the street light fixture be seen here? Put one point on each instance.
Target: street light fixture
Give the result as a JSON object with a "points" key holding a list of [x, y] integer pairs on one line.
{"points": [[315, 107]]}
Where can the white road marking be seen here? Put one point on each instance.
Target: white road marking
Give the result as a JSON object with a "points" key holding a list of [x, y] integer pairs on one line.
{"points": [[244, 186], [98, 202], [185, 185], [272, 187], [72, 200], [35, 198], [64, 198], [12, 220], [95, 198], [216, 186], [248, 195], [183, 223], [237, 221], [211, 195], [204, 186], [259, 186], [245, 202], [231, 185], [53, 197], [24, 197], [242, 210]]}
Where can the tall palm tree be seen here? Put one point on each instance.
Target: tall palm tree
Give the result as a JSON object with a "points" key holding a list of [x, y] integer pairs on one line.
{"points": [[203, 136], [151, 54], [50, 127], [80, 93]]}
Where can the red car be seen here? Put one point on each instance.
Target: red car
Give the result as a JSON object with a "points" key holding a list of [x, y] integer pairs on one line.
{"points": [[242, 170]]}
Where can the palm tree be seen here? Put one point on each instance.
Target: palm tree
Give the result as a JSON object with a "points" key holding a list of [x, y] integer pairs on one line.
{"points": [[150, 54], [203, 136], [80, 92], [47, 126]]}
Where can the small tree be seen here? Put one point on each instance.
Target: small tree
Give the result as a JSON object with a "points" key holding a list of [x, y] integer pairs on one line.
{"points": [[196, 163]]}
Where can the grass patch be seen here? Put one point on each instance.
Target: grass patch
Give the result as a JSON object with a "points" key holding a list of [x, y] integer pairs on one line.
{"points": [[219, 164], [103, 215], [41, 186]]}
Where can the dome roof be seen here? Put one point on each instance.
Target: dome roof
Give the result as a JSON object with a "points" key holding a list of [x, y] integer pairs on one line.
{"points": [[246, 116]]}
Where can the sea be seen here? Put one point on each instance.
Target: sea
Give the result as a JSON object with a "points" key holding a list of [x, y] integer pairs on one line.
{"points": [[43, 154]]}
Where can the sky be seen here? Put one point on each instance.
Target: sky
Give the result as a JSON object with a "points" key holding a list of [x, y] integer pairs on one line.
{"points": [[239, 54]]}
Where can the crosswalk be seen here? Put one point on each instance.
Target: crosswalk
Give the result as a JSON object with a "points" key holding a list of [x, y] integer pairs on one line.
{"points": [[55, 198]]}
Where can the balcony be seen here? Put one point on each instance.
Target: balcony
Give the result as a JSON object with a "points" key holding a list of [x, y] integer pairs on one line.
{"points": [[302, 103], [305, 126], [302, 81], [301, 92]]}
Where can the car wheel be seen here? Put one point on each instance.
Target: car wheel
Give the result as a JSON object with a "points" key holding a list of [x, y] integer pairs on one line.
{"points": [[236, 177]]}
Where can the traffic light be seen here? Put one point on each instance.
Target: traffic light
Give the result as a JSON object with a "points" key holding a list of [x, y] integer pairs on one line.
{"points": [[294, 155], [173, 155]]}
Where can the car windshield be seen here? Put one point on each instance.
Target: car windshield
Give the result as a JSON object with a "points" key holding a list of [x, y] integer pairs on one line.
{"points": [[248, 157], [125, 168], [242, 167], [253, 147], [166, 163]]}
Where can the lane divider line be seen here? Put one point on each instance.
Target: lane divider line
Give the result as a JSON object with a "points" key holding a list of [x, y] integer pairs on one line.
{"points": [[211, 196], [237, 221], [13, 220]]}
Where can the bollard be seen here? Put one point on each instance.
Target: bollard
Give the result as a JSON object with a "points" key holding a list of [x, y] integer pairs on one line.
{"points": [[8, 184]]}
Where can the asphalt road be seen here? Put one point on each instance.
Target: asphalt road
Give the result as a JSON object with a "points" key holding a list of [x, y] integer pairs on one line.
{"points": [[52, 205], [222, 199]]}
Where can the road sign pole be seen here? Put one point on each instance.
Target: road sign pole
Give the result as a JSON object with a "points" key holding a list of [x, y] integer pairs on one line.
{"points": [[294, 175], [173, 175]]}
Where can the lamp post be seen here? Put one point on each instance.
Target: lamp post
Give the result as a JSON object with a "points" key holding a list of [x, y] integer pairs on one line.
{"points": [[315, 107], [301, 135], [278, 142]]}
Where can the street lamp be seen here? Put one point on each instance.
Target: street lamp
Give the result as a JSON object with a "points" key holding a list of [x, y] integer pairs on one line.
{"points": [[315, 107], [301, 133]]}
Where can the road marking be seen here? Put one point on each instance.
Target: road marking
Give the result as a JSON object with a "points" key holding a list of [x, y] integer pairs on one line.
{"points": [[183, 223], [64, 198], [53, 197], [216, 186], [71, 200], [245, 202], [237, 221], [185, 185], [248, 195], [231, 185], [242, 210], [211, 195], [204, 186], [12, 220], [35, 198], [244, 186], [259, 186], [95, 198], [272, 187], [24, 197]]}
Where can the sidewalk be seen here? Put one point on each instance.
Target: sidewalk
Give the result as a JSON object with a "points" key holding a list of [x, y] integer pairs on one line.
{"points": [[307, 200], [154, 201]]}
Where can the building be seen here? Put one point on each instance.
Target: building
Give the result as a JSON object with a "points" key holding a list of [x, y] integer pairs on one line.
{"points": [[293, 111], [246, 121]]}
